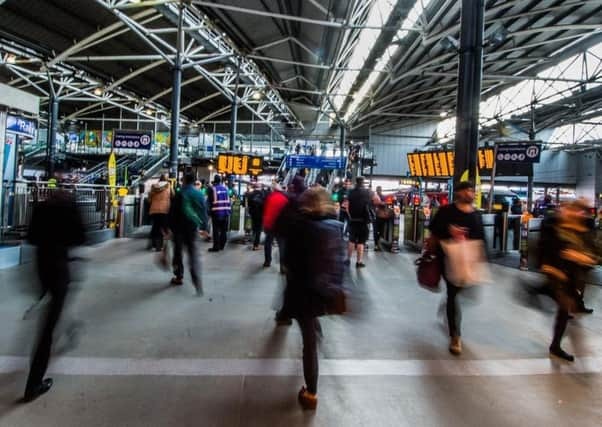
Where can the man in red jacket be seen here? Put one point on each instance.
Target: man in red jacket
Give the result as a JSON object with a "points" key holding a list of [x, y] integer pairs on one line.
{"points": [[274, 204]]}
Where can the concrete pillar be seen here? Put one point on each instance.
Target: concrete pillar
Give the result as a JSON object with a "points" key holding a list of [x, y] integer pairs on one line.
{"points": [[470, 75]]}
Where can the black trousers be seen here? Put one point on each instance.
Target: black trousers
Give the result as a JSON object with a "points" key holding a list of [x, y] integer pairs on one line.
{"points": [[220, 232], [309, 327], [256, 226], [454, 314], [159, 227], [267, 248], [378, 228], [57, 287], [190, 241]]}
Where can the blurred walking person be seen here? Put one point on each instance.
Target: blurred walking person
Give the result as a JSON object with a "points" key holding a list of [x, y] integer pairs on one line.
{"points": [[360, 216], [255, 202], [275, 202], [220, 208], [160, 197], [188, 217], [314, 258], [565, 255], [456, 222], [55, 227]]}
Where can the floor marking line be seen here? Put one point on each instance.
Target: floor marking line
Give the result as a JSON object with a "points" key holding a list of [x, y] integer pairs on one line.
{"points": [[293, 367]]}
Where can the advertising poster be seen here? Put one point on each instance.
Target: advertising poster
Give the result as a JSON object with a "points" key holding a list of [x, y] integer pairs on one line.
{"points": [[107, 139], [162, 138], [93, 138]]}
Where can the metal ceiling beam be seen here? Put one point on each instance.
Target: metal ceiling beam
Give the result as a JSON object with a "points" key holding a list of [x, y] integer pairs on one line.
{"points": [[497, 77], [214, 42], [200, 101], [85, 43]]}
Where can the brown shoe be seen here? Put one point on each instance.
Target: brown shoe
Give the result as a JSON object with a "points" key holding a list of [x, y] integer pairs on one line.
{"points": [[307, 400], [455, 346], [176, 281]]}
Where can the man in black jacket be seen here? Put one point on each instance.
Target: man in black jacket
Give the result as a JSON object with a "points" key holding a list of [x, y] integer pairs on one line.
{"points": [[55, 227]]}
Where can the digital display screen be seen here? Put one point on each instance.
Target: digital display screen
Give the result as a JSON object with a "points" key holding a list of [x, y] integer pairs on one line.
{"points": [[432, 164]]}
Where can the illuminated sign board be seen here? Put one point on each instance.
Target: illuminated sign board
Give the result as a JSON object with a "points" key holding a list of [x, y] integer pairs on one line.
{"points": [[432, 164], [239, 164]]}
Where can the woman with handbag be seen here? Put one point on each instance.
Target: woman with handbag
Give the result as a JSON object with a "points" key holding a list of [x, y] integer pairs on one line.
{"points": [[456, 223]]}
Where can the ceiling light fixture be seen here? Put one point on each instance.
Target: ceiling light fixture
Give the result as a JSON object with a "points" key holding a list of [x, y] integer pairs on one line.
{"points": [[11, 58], [98, 91]]}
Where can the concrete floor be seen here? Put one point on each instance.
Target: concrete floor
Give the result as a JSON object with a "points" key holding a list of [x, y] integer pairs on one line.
{"points": [[154, 355]]}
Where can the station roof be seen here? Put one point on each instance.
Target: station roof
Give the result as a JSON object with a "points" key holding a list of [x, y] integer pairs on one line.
{"points": [[377, 63]]}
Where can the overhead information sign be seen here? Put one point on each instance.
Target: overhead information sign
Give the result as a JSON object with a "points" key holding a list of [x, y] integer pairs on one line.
{"points": [[434, 164], [515, 153], [239, 164], [133, 139], [314, 162]]}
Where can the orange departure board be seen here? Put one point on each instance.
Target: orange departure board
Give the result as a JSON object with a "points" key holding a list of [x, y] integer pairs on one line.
{"points": [[433, 164]]}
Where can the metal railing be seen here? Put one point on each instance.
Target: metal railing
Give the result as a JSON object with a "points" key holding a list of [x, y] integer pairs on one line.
{"points": [[20, 198]]}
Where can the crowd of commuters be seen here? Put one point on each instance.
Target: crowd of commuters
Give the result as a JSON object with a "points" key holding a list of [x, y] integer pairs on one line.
{"points": [[309, 226]]}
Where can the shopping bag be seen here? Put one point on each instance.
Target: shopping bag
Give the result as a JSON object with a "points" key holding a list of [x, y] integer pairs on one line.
{"points": [[428, 271], [465, 262]]}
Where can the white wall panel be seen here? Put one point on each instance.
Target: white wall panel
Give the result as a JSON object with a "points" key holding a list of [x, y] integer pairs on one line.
{"points": [[391, 147]]}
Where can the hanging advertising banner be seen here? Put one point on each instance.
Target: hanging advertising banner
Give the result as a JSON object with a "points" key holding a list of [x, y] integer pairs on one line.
{"points": [[518, 153], [162, 138], [132, 139], [23, 127], [112, 173], [10, 153], [93, 138], [107, 139], [314, 162], [239, 164]]}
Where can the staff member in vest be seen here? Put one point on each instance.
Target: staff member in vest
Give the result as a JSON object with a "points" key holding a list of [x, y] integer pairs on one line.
{"points": [[219, 202]]}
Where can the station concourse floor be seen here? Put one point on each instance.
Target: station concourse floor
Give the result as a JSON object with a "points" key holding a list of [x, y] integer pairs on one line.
{"points": [[153, 355]]}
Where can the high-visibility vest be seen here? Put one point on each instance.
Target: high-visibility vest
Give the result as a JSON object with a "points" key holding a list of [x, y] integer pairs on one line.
{"points": [[221, 202]]}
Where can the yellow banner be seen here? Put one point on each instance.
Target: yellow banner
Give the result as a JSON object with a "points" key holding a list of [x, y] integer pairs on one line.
{"points": [[112, 168]]}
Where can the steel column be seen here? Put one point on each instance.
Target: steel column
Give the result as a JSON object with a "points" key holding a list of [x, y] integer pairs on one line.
{"points": [[342, 147], [470, 75], [53, 127], [175, 100], [234, 108], [3, 114]]}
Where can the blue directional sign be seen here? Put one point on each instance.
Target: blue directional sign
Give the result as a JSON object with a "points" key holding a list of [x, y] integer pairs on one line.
{"points": [[133, 139], [20, 126], [314, 162]]}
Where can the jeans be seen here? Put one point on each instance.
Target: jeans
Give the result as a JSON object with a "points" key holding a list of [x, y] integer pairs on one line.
{"points": [[190, 240], [267, 249], [378, 228], [309, 327], [220, 232], [454, 315]]}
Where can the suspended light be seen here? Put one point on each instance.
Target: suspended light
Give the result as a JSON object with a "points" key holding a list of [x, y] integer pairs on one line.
{"points": [[257, 95], [98, 91], [11, 58], [149, 111], [443, 114]]}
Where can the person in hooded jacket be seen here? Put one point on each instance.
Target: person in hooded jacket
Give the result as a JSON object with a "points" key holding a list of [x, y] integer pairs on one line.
{"points": [[314, 258], [160, 196]]}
